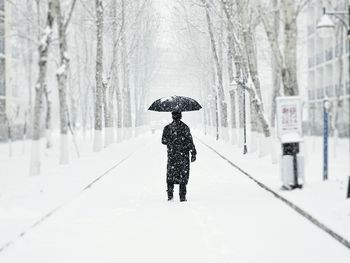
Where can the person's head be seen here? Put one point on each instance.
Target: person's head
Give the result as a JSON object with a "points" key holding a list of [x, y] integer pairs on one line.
{"points": [[176, 115]]}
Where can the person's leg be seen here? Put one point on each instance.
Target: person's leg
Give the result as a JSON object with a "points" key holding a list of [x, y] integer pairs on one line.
{"points": [[183, 192], [170, 190]]}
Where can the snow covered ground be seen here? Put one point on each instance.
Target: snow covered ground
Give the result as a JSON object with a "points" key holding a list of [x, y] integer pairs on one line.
{"points": [[24, 199], [325, 200], [124, 217]]}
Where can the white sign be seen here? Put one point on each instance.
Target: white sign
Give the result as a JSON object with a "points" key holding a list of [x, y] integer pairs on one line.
{"points": [[289, 119]]}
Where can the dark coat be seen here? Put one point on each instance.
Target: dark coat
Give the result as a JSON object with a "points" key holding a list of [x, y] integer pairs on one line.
{"points": [[178, 139]]}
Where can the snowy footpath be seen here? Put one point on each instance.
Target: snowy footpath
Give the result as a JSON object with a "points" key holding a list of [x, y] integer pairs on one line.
{"points": [[124, 216]]}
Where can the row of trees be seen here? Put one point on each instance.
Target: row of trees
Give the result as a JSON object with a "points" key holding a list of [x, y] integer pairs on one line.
{"points": [[93, 61], [222, 37]]}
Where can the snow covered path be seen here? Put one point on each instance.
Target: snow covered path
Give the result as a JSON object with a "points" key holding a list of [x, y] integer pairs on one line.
{"points": [[125, 217]]}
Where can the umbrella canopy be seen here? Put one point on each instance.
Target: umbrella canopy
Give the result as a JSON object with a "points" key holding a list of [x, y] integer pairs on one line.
{"points": [[175, 103]]}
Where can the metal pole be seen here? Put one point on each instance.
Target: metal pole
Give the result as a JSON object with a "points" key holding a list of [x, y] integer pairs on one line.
{"points": [[325, 140], [244, 123], [348, 39]]}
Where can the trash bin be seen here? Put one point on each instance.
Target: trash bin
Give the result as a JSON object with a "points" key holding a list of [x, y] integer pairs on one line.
{"points": [[292, 166]]}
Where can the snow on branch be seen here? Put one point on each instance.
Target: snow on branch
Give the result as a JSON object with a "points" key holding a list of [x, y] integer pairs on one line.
{"points": [[61, 70]]}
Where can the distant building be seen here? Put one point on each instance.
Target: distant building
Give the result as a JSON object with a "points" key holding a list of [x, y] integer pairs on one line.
{"points": [[325, 79]]}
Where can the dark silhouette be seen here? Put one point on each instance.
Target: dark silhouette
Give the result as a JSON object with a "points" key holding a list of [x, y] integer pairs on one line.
{"points": [[175, 103], [178, 139]]}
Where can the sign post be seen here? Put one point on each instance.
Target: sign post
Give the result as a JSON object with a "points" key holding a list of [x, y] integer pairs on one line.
{"points": [[289, 131]]}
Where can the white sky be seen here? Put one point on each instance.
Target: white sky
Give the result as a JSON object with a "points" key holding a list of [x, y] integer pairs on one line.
{"points": [[172, 76]]}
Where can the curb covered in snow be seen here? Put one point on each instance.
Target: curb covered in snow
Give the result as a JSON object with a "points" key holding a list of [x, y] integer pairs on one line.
{"points": [[299, 210], [50, 213]]}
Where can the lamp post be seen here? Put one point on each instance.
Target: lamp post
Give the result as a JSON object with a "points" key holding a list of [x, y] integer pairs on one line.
{"points": [[245, 150], [326, 27], [326, 107]]}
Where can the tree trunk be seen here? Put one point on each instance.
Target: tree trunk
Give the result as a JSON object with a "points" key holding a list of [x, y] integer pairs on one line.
{"points": [[232, 93], [241, 109], [233, 117], [99, 80], [231, 78], [108, 100], [9, 124], [79, 101], [290, 48], [29, 72], [215, 107], [61, 76], [276, 82], [254, 135], [221, 95], [127, 122], [249, 45], [112, 81], [119, 99], [216, 116], [259, 122], [252, 65], [86, 112], [48, 119], [256, 103], [39, 89], [276, 77]]}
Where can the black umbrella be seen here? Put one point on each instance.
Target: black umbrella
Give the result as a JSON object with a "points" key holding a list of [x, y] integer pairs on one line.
{"points": [[175, 103]]}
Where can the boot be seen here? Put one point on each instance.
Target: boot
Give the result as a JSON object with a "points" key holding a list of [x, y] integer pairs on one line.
{"points": [[170, 195], [170, 191], [183, 198], [183, 192]]}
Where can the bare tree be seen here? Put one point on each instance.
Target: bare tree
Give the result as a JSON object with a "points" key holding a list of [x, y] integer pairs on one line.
{"points": [[39, 89], [218, 69], [230, 70], [286, 61], [48, 118], [127, 121], [99, 77], [61, 74], [246, 62], [111, 83]]}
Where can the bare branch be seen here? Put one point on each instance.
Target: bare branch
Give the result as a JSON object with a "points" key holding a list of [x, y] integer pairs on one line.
{"points": [[66, 23]]}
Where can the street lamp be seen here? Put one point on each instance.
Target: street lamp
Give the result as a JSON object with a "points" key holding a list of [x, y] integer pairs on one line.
{"points": [[326, 26]]}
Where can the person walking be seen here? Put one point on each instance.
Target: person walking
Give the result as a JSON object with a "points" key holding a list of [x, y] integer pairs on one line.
{"points": [[178, 139]]}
